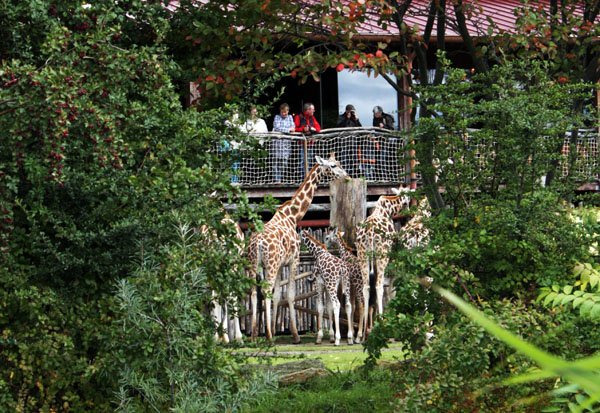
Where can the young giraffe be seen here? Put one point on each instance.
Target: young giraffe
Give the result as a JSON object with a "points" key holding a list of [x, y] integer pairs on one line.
{"points": [[220, 310], [357, 297], [279, 245], [331, 273], [373, 243]]}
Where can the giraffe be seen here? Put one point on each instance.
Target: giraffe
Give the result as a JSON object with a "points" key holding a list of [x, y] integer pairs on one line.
{"points": [[373, 243], [278, 245], [414, 233], [331, 273], [356, 280], [220, 309]]}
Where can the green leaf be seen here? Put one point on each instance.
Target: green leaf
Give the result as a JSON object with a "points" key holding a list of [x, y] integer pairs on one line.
{"points": [[595, 312], [567, 299], [568, 289], [586, 307], [557, 299], [549, 298], [577, 301]]}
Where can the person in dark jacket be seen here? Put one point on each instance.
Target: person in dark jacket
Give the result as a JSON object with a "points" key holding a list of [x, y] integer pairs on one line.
{"points": [[386, 147], [382, 119], [348, 119]]}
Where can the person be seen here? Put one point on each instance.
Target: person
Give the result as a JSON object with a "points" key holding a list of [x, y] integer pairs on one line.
{"points": [[348, 119], [307, 124], [280, 148], [254, 123], [382, 119], [387, 154]]}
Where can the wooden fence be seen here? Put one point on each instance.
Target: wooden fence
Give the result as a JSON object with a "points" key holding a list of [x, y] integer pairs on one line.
{"points": [[306, 300]]}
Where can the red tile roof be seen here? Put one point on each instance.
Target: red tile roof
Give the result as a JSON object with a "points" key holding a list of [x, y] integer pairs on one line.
{"points": [[501, 12]]}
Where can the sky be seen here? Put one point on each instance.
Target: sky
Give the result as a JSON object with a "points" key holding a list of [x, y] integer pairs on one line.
{"points": [[364, 92]]}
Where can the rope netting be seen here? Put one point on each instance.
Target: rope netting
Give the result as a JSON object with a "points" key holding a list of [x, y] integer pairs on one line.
{"points": [[378, 155], [587, 149], [373, 153]]}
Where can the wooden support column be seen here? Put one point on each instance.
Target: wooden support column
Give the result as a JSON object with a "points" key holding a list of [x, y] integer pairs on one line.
{"points": [[348, 198]]}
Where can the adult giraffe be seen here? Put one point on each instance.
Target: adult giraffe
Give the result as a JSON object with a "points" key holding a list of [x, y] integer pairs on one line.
{"points": [[374, 238], [279, 245]]}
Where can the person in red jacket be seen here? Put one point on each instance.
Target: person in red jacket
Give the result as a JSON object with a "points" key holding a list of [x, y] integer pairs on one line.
{"points": [[307, 124]]}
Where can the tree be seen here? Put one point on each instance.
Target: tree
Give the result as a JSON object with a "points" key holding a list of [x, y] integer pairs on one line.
{"points": [[96, 152]]}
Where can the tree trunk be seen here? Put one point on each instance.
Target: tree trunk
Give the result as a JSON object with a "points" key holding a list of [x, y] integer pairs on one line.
{"points": [[348, 206]]}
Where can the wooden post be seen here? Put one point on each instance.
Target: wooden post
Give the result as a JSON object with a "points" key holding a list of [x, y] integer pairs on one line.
{"points": [[305, 149], [348, 200]]}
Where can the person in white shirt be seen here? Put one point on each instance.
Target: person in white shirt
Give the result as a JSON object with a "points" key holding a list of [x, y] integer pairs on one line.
{"points": [[254, 124]]}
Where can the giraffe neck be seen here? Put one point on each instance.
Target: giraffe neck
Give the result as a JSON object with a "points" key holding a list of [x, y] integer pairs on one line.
{"points": [[387, 206], [345, 251], [296, 208], [313, 247]]}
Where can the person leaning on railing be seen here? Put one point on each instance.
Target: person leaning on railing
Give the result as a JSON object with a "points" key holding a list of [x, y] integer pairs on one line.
{"points": [[280, 148], [348, 119], [307, 124]]}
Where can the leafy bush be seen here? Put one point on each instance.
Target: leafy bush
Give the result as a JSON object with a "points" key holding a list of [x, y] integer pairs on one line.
{"points": [[577, 295], [166, 349], [96, 152], [461, 368]]}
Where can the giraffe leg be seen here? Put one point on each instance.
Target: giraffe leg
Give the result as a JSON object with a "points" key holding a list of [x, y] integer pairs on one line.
{"points": [[235, 322], [225, 323], [268, 315], [336, 314], [320, 312], [254, 322], [291, 296], [361, 315], [331, 320], [381, 265], [276, 300], [366, 290], [349, 314]]}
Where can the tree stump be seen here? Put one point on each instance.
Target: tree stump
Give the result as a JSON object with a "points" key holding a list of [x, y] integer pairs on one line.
{"points": [[348, 198]]}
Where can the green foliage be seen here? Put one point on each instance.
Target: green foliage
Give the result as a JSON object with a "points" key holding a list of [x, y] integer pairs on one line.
{"points": [[167, 355], [460, 368], [583, 373], [577, 295], [96, 152]]}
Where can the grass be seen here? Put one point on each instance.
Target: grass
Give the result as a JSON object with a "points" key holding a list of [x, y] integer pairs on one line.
{"points": [[340, 393], [342, 358], [348, 389]]}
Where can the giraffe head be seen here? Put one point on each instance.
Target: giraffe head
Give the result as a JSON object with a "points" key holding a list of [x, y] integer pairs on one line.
{"points": [[312, 244], [330, 168], [335, 238], [331, 239], [400, 200]]}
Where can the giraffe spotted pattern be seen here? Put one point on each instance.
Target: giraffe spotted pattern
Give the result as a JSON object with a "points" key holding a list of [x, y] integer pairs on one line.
{"points": [[278, 245], [332, 273]]}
